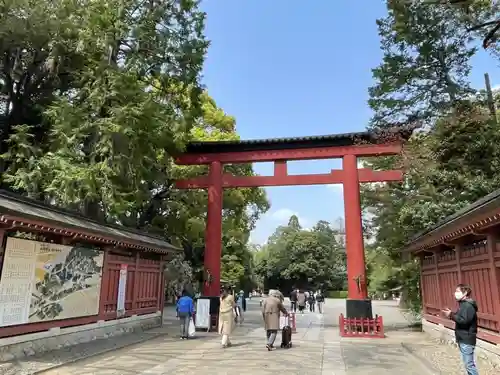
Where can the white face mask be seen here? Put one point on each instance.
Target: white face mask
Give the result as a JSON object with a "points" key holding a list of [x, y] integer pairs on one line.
{"points": [[459, 296]]}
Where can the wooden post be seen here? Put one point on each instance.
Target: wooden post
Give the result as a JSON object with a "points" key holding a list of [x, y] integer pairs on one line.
{"points": [[422, 289], [161, 286], [213, 236], [438, 286], [135, 292], [104, 285], [458, 251], [356, 271], [491, 243]]}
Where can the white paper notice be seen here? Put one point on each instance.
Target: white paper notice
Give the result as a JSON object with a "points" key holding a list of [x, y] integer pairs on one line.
{"points": [[122, 288], [18, 274], [202, 313]]}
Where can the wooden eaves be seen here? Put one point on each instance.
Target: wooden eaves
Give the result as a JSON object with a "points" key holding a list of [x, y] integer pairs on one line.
{"points": [[18, 212]]}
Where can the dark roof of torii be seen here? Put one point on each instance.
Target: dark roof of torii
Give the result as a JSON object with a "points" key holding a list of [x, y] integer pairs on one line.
{"points": [[332, 140]]}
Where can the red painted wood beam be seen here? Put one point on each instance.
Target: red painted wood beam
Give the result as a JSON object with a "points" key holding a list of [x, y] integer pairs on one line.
{"points": [[296, 154], [356, 266], [213, 231], [335, 177]]}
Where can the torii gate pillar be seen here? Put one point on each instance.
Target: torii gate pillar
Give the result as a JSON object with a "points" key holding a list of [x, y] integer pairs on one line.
{"points": [[358, 305], [213, 231]]}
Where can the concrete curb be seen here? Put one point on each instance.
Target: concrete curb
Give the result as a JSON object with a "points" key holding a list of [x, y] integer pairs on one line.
{"points": [[422, 361]]}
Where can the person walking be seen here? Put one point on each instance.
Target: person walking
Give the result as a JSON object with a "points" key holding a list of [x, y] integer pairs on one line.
{"points": [[293, 300], [185, 310], [312, 301], [320, 300], [240, 305], [226, 316], [301, 301], [271, 309], [465, 319]]}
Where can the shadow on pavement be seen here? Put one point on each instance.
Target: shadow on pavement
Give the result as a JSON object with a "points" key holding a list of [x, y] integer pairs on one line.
{"points": [[363, 357]]}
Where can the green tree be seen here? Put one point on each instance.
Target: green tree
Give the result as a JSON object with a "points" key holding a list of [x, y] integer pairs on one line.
{"points": [[39, 58], [111, 138], [426, 61], [452, 162], [446, 169], [302, 258], [135, 100]]}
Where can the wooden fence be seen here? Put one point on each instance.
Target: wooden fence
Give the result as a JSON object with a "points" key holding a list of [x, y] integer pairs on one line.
{"points": [[477, 265], [145, 282]]}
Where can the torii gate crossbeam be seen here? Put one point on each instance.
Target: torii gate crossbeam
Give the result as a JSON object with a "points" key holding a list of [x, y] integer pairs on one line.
{"points": [[349, 147]]}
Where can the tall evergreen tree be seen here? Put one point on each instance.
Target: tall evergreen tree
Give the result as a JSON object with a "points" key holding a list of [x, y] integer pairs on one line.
{"points": [[425, 65]]}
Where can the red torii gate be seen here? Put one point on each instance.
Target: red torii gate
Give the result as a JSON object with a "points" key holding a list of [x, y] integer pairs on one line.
{"points": [[349, 147]]}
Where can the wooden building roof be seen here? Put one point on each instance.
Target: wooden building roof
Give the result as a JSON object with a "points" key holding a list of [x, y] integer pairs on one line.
{"points": [[20, 212], [469, 221]]}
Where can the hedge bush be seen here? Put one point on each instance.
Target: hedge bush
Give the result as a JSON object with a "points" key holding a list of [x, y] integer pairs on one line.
{"points": [[342, 294]]}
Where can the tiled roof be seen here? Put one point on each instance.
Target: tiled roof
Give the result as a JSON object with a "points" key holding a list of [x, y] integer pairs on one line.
{"points": [[335, 140], [490, 201], [21, 207]]}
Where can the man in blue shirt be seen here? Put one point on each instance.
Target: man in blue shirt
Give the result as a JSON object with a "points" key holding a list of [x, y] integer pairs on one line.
{"points": [[185, 310]]}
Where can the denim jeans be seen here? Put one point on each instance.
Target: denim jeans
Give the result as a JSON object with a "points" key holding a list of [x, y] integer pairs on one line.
{"points": [[467, 352]]}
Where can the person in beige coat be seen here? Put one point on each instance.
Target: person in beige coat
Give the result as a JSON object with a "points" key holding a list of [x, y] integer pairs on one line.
{"points": [[271, 309], [226, 317]]}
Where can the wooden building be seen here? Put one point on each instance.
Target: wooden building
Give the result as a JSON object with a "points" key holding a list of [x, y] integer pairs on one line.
{"points": [[66, 279], [463, 248]]}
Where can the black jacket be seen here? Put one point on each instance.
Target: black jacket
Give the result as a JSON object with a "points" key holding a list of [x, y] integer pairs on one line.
{"points": [[465, 319], [293, 296]]}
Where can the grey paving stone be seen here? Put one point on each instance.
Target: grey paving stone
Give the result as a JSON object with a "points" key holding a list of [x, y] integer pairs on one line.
{"points": [[317, 350]]}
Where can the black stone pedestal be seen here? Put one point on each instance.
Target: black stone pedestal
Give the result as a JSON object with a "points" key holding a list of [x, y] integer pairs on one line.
{"points": [[214, 304], [359, 308]]}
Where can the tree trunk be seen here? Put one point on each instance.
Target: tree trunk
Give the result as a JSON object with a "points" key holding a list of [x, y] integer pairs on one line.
{"points": [[403, 300]]}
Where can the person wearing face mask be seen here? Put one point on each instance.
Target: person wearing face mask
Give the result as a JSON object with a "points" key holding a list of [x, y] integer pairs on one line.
{"points": [[465, 319]]}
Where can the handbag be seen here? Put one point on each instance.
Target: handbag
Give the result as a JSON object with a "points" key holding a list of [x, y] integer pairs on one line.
{"points": [[191, 328]]}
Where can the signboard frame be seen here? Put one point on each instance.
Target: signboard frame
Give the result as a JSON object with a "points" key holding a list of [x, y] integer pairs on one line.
{"points": [[203, 317]]}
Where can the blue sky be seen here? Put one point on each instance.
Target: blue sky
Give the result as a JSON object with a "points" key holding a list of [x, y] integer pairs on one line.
{"points": [[285, 69]]}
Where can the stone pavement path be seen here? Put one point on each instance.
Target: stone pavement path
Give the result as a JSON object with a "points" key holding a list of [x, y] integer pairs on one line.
{"points": [[43, 361], [317, 350]]}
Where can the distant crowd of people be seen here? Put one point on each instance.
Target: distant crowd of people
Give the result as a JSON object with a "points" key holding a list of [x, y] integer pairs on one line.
{"points": [[302, 299]]}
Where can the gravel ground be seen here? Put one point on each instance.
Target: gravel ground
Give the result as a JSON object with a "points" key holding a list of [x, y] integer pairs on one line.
{"points": [[445, 359]]}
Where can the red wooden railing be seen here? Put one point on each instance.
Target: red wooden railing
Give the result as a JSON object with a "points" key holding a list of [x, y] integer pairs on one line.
{"points": [[361, 327]]}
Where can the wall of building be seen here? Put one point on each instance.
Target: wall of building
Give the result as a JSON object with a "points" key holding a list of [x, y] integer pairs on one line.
{"points": [[144, 289], [476, 264]]}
